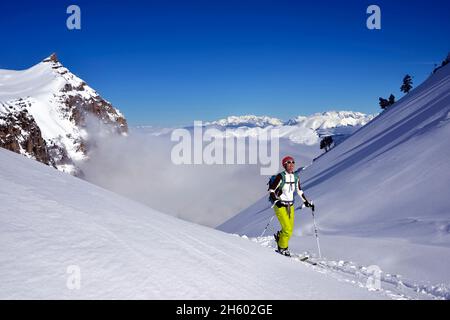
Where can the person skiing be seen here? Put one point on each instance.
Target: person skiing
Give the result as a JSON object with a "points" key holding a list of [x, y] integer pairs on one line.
{"points": [[282, 189]]}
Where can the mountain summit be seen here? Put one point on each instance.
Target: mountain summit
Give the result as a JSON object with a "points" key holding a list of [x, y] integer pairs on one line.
{"points": [[49, 114]]}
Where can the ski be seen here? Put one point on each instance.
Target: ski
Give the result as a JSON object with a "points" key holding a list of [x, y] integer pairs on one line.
{"points": [[308, 260], [281, 253], [305, 259], [300, 258]]}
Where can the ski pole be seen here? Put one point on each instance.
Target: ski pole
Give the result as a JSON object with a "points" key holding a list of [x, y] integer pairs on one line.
{"points": [[315, 230], [270, 221]]}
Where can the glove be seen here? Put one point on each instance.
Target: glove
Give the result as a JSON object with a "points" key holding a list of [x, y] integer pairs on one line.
{"points": [[309, 204]]}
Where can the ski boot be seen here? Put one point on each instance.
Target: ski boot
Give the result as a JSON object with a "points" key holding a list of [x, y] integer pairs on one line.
{"points": [[284, 251]]}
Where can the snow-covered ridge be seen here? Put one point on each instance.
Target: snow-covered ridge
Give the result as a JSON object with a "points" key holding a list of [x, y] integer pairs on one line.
{"points": [[331, 119], [306, 130], [302, 129], [246, 121], [61, 105], [328, 119]]}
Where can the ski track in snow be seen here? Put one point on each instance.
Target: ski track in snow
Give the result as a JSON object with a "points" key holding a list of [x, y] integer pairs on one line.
{"points": [[393, 286]]}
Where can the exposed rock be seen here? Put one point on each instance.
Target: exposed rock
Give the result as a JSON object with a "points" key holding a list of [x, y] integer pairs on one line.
{"points": [[57, 127], [20, 133]]}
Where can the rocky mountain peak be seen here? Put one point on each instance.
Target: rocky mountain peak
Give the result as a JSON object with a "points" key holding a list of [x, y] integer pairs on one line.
{"points": [[52, 58], [55, 110]]}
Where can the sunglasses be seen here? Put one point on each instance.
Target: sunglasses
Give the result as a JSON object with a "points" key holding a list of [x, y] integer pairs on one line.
{"points": [[289, 162]]}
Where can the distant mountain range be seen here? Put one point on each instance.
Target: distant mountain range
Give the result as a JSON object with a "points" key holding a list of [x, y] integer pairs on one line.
{"points": [[302, 129]]}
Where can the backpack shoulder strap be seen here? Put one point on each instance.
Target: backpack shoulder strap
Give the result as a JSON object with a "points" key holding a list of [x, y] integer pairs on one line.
{"points": [[283, 180], [296, 178]]}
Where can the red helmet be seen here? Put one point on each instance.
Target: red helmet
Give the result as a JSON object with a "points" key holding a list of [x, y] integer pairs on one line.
{"points": [[286, 159]]}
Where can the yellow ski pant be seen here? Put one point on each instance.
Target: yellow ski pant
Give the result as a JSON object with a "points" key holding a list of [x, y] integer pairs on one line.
{"points": [[287, 225]]}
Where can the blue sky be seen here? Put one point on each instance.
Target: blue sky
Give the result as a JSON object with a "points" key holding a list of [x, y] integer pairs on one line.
{"points": [[169, 63]]}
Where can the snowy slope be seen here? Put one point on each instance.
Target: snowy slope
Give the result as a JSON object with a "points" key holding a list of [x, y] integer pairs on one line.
{"points": [[382, 195], [60, 104], [50, 221]]}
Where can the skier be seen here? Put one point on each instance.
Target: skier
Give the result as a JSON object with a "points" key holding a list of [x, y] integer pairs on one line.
{"points": [[281, 190]]}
